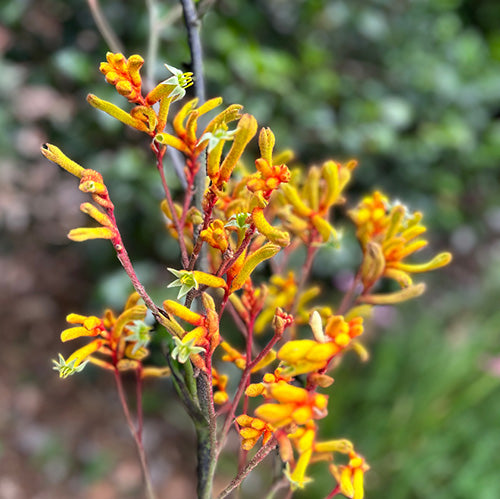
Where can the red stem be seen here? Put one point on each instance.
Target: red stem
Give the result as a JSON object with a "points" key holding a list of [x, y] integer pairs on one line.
{"points": [[334, 492], [159, 153], [259, 456], [135, 434], [242, 387]]}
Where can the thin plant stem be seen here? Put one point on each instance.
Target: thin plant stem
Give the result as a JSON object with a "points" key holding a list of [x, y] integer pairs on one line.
{"points": [[334, 492], [104, 27], [153, 38], [206, 432], [138, 395], [280, 484], [256, 460], [192, 23], [160, 152], [305, 271], [348, 297], [242, 386], [126, 263], [137, 437]]}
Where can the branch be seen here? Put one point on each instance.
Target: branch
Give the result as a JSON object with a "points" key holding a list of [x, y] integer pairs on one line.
{"points": [[192, 23], [259, 456], [104, 27]]}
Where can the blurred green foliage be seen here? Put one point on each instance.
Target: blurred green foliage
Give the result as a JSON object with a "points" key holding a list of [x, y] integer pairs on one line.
{"points": [[409, 88]]}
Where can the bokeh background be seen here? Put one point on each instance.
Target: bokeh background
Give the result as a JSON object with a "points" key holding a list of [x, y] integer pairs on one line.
{"points": [[409, 88]]}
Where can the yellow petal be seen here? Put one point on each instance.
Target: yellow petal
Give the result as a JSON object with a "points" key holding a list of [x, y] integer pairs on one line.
{"points": [[116, 112], [55, 154], [275, 414], [85, 233], [396, 297], [246, 129], [77, 332]]}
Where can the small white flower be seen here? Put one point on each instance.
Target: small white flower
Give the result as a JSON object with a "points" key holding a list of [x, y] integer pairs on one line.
{"points": [[66, 368], [140, 335], [183, 350], [215, 137], [185, 280], [179, 82]]}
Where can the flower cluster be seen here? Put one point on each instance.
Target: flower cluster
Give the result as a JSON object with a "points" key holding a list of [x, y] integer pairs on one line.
{"points": [[120, 343], [388, 234], [247, 216]]}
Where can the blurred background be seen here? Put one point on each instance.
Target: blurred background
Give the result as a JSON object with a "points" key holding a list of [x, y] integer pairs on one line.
{"points": [[409, 88]]}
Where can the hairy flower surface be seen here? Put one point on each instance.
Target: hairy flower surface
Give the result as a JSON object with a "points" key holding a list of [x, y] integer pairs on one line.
{"points": [[120, 341], [388, 234]]}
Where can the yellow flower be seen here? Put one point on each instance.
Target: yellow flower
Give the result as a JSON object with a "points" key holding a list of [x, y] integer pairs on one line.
{"points": [[388, 234], [251, 429], [350, 477], [295, 405], [120, 341], [215, 235], [307, 202], [124, 75], [306, 356]]}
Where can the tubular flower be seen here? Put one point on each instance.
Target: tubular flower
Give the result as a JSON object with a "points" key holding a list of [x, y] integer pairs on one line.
{"points": [[219, 383], [282, 293], [92, 183], [251, 429], [269, 176], [215, 235], [307, 356], [295, 405], [188, 141], [388, 233], [191, 279], [306, 209], [124, 75], [350, 477], [304, 441], [204, 337], [121, 342]]}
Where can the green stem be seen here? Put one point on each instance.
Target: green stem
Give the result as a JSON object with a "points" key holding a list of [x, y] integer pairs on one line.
{"points": [[206, 432]]}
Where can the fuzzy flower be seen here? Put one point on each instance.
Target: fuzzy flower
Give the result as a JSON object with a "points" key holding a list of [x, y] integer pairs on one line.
{"points": [[215, 235], [251, 429], [294, 405], [388, 234], [117, 342], [124, 74], [350, 477]]}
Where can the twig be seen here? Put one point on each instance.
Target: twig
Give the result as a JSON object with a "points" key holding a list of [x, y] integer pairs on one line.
{"points": [[104, 27], [242, 386], [193, 28], [135, 434], [259, 456], [153, 38], [159, 153]]}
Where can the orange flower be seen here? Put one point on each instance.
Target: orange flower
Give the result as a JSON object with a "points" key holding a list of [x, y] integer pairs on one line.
{"points": [[350, 477], [124, 75], [305, 356], [251, 429], [215, 235], [121, 341], [295, 405], [388, 234]]}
